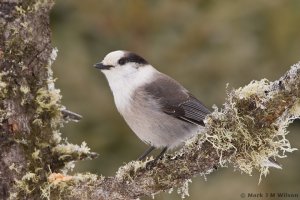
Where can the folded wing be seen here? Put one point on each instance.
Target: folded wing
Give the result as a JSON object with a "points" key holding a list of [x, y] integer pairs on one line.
{"points": [[177, 101]]}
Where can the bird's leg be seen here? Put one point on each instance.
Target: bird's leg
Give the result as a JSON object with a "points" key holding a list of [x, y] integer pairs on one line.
{"points": [[146, 153], [151, 164], [161, 154]]}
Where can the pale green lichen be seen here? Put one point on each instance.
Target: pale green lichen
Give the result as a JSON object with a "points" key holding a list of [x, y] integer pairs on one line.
{"points": [[21, 141], [20, 10], [36, 154], [29, 176], [3, 91], [235, 130], [127, 171], [50, 80], [84, 177], [3, 85], [71, 150], [46, 191], [56, 137], [295, 110], [38, 122], [251, 149], [257, 88], [13, 196], [24, 89], [184, 189], [69, 166], [13, 167], [23, 185], [47, 100]]}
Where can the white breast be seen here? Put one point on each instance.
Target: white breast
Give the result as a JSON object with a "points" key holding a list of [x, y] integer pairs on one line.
{"points": [[124, 83]]}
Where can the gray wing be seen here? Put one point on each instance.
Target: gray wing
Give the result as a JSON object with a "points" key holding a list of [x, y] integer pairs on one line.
{"points": [[177, 101]]}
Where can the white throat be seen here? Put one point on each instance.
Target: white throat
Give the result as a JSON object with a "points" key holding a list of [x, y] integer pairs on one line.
{"points": [[123, 86]]}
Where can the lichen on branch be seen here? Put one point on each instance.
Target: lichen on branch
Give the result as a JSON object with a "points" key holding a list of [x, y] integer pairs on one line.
{"points": [[254, 120]]}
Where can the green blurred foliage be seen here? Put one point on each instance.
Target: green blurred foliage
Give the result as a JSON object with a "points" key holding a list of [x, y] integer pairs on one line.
{"points": [[202, 44]]}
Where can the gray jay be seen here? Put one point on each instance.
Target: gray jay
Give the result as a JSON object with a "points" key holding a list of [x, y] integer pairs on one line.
{"points": [[159, 110]]}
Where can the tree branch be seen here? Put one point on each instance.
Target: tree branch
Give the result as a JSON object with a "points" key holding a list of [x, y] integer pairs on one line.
{"points": [[248, 133]]}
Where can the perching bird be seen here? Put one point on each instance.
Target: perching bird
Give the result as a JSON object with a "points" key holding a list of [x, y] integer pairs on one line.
{"points": [[159, 110]]}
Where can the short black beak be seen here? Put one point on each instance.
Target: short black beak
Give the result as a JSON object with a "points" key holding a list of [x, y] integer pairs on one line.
{"points": [[101, 66]]}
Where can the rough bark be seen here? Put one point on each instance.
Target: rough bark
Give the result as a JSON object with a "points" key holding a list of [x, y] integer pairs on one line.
{"points": [[25, 51], [246, 133], [30, 109]]}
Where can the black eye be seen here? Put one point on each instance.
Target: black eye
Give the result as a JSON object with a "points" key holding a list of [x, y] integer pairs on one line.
{"points": [[122, 61]]}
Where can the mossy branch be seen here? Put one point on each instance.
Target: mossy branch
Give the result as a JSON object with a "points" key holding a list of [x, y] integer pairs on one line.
{"points": [[249, 132]]}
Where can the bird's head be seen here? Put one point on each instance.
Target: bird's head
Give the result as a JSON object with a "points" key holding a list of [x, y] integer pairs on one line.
{"points": [[125, 70], [118, 64]]}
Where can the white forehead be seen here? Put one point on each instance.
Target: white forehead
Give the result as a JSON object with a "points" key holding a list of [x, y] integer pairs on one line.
{"points": [[113, 57]]}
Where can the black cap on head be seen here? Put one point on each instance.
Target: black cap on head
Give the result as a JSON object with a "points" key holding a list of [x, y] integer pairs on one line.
{"points": [[132, 57]]}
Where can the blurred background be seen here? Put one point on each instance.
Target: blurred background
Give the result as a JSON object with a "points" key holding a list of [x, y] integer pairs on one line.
{"points": [[204, 44]]}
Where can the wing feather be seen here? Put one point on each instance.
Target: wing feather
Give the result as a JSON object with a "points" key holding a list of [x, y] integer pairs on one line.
{"points": [[193, 110], [177, 101]]}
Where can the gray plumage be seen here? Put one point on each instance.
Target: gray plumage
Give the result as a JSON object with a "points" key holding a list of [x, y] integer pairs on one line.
{"points": [[164, 114], [157, 108]]}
